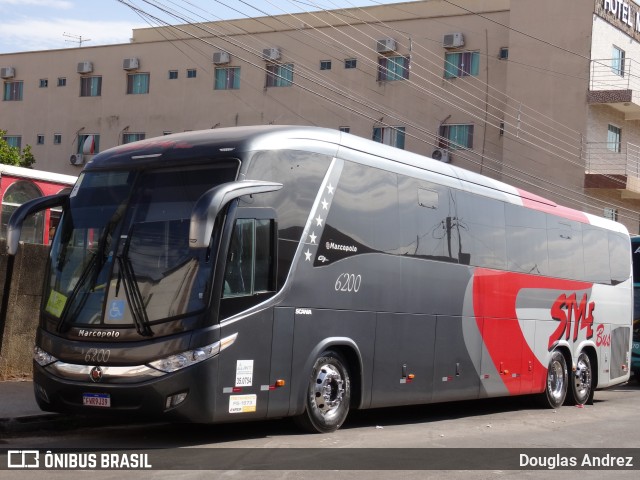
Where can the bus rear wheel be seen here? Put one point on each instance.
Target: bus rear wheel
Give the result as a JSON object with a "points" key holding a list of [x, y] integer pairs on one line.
{"points": [[581, 391], [328, 395], [555, 390]]}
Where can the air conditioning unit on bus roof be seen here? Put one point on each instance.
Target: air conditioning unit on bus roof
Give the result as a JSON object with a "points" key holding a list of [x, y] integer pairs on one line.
{"points": [[453, 40], [441, 154], [386, 45], [85, 67], [130, 63], [220, 58], [76, 159], [7, 72], [271, 54]]}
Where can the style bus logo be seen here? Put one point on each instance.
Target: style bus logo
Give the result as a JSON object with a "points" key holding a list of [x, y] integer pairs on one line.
{"points": [[573, 316]]}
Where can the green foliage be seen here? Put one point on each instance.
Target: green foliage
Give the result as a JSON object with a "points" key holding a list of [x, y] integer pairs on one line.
{"points": [[12, 156]]}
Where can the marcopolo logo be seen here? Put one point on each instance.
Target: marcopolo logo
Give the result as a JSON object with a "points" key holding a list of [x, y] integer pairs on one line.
{"points": [[344, 248], [98, 333]]}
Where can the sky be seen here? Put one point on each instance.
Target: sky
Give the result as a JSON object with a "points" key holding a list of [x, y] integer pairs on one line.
{"points": [[27, 25]]}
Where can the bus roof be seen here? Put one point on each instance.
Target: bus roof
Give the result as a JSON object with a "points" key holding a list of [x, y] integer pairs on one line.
{"points": [[223, 142]]}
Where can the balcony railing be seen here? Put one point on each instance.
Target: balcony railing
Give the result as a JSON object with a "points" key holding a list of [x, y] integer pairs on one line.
{"points": [[614, 74], [610, 158]]}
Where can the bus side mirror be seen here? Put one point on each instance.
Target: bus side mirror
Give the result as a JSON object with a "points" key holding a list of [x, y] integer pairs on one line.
{"points": [[213, 201], [14, 227]]}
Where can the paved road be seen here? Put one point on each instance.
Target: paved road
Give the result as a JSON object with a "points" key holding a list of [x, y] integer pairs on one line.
{"points": [[611, 424]]}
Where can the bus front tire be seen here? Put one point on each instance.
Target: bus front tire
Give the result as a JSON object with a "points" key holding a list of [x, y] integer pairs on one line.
{"points": [[556, 383], [581, 391], [328, 395]]}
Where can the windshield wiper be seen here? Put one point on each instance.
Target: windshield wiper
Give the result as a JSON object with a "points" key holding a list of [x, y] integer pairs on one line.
{"points": [[132, 291], [94, 266]]}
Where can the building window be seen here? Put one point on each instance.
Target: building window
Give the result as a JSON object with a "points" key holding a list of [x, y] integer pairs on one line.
{"points": [[393, 136], [611, 213], [393, 68], [44, 83], [14, 141], [617, 61], [456, 136], [13, 91], [280, 75], [614, 137], [461, 64], [191, 73], [227, 78], [137, 83], [62, 81], [132, 137], [504, 53], [325, 65], [350, 63], [40, 139], [173, 74], [88, 144], [344, 129], [90, 86], [57, 138]]}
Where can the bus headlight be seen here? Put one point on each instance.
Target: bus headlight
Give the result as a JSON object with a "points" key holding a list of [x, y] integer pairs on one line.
{"points": [[43, 358], [191, 357]]}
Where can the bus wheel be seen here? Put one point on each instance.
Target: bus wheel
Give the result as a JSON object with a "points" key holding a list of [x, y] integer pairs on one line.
{"points": [[328, 395], [556, 386], [581, 391]]}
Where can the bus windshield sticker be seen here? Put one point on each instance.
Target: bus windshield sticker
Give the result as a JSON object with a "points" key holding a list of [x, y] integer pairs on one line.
{"points": [[55, 303], [242, 403], [244, 373]]}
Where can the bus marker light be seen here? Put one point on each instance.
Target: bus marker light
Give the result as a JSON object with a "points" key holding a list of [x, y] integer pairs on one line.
{"points": [[280, 383], [236, 389]]}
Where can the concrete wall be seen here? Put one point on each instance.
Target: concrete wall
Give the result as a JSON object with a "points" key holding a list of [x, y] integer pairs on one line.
{"points": [[22, 314]]}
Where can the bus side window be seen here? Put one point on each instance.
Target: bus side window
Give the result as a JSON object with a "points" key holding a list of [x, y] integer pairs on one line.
{"points": [[249, 268]]}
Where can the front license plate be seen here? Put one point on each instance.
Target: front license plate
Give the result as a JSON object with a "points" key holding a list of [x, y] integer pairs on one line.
{"points": [[96, 399]]}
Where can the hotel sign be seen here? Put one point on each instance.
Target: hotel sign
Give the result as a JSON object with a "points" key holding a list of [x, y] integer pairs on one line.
{"points": [[623, 14]]}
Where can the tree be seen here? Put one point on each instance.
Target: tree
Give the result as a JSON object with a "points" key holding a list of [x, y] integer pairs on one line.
{"points": [[12, 156]]}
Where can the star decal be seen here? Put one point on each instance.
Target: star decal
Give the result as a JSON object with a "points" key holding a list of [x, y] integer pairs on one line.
{"points": [[319, 221], [330, 188], [313, 237], [307, 255], [325, 204]]}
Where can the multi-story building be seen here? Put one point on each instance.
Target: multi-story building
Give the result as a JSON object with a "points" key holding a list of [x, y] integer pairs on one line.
{"points": [[539, 94]]}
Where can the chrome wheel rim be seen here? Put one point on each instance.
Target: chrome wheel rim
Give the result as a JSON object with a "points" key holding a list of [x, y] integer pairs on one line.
{"points": [[328, 390], [555, 380]]}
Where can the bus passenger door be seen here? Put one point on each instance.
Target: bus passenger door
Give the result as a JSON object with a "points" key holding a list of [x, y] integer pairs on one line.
{"points": [[249, 279]]}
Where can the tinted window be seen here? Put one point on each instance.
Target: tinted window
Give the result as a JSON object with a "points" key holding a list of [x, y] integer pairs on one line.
{"points": [[566, 259], [424, 209], [526, 240], [619, 257], [363, 213], [479, 224], [596, 265]]}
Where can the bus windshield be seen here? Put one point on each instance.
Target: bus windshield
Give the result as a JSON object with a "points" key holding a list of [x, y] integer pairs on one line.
{"points": [[122, 257]]}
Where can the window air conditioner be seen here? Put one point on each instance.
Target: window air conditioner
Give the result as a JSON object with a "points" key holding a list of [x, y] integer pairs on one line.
{"points": [[76, 159], [271, 54], [441, 155], [7, 72], [85, 67], [220, 58], [453, 40], [386, 45], [130, 63]]}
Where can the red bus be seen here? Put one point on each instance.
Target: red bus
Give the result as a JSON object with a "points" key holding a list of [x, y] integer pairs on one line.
{"points": [[19, 185]]}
